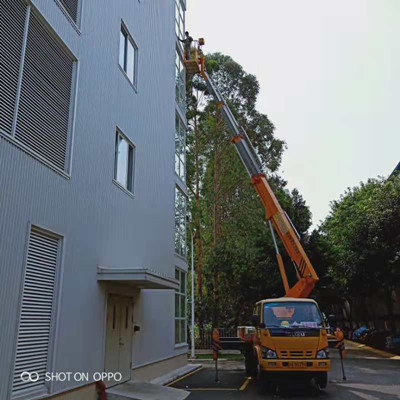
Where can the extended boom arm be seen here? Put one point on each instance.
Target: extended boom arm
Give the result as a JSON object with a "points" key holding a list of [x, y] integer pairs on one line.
{"points": [[276, 217]]}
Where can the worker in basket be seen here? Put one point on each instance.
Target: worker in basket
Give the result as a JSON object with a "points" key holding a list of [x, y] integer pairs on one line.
{"points": [[187, 42]]}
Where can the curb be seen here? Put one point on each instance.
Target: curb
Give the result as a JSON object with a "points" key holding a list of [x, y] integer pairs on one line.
{"points": [[376, 351], [193, 371], [206, 360], [177, 374]]}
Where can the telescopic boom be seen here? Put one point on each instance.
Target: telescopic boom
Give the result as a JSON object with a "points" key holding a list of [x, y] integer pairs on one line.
{"points": [[277, 219]]}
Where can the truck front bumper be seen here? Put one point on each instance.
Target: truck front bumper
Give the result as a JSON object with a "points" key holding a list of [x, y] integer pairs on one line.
{"points": [[300, 365]]}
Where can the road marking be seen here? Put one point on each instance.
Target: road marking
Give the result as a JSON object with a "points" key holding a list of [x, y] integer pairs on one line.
{"points": [[364, 396], [184, 376], [375, 388], [245, 383]]}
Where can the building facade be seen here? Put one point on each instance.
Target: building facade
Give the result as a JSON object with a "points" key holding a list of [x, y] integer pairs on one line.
{"points": [[92, 194]]}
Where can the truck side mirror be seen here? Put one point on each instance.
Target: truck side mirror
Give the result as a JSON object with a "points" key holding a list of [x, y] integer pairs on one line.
{"points": [[255, 320]]}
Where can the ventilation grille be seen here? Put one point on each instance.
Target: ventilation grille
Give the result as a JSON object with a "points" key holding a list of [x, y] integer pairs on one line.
{"points": [[296, 354], [36, 313], [12, 24], [72, 7], [44, 106]]}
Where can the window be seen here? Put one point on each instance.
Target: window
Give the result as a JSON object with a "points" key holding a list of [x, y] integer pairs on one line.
{"points": [[180, 307], [128, 55], [124, 161], [292, 314], [179, 20], [180, 76], [36, 317], [180, 147], [180, 223], [37, 112]]}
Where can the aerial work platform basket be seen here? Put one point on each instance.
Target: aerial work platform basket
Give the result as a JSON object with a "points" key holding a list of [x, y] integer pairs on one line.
{"points": [[194, 63]]}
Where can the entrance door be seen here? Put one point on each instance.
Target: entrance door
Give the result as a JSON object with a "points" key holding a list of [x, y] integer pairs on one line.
{"points": [[118, 354]]}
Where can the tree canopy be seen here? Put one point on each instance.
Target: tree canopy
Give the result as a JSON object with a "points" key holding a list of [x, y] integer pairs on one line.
{"points": [[363, 234]]}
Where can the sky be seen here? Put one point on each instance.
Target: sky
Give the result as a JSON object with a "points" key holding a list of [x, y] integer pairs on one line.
{"points": [[329, 74]]}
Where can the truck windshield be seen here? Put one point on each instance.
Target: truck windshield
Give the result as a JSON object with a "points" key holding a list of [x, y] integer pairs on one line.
{"points": [[292, 314]]}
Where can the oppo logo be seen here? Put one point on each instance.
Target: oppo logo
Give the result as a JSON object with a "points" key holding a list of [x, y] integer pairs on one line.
{"points": [[29, 376]]}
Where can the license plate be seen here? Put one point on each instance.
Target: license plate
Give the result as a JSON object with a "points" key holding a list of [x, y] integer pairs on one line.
{"points": [[298, 364]]}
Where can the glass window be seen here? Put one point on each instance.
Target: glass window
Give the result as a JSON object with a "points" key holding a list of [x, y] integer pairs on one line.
{"points": [[179, 20], [292, 314], [123, 168], [130, 62], [180, 223], [180, 147], [180, 79], [128, 55], [122, 45], [180, 307]]}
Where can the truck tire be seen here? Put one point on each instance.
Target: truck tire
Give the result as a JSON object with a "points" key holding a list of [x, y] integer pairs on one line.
{"points": [[314, 386], [250, 363], [322, 379], [271, 387], [266, 385]]}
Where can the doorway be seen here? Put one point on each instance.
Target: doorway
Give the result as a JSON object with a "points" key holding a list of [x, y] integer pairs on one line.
{"points": [[118, 352]]}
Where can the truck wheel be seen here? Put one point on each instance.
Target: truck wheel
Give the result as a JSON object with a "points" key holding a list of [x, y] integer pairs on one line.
{"points": [[322, 380], [271, 387], [251, 365], [315, 387], [266, 386]]}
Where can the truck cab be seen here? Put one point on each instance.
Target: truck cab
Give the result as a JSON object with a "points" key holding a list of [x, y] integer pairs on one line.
{"points": [[290, 338]]}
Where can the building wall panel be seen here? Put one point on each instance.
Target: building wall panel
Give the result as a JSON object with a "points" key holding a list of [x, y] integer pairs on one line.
{"points": [[100, 223]]}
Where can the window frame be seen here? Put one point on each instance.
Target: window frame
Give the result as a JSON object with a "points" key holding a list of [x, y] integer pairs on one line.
{"points": [[128, 39], [180, 149], [180, 316], [180, 229], [180, 82], [180, 18], [131, 162]]}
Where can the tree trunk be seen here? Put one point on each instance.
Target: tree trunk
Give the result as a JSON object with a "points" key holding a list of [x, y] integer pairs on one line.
{"points": [[389, 305], [239, 312], [215, 230]]}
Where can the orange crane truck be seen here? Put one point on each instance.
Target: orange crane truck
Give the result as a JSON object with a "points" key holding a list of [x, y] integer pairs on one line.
{"points": [[289, 338]]}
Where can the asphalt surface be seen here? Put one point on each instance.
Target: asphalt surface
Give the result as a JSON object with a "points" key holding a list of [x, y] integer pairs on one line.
{"points": [[371, 375]]}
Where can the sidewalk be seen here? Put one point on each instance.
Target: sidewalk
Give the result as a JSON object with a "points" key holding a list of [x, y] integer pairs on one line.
{"points": [[360, 346]]}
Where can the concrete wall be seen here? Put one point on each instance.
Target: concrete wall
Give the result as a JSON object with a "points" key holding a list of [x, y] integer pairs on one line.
{"points": [[100, 224]]}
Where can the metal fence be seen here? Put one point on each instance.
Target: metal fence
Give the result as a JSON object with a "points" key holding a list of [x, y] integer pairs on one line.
{"points": [[203, 337]]}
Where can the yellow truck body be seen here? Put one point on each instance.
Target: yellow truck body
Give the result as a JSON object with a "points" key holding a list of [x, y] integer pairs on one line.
{"points": [[291, 345]]}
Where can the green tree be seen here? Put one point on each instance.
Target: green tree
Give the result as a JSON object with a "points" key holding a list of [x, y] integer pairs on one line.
{"points": [[361, 239], [235, 257]]}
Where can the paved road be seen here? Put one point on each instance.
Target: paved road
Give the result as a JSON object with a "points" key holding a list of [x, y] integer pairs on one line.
{"points": [[370, 376]]}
